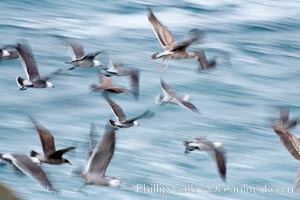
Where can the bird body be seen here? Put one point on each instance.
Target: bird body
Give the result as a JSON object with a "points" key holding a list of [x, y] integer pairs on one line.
{"points": [[51, 155], [101, 155], [170, 96], [80, 58], [31, 70], [216, 148]]}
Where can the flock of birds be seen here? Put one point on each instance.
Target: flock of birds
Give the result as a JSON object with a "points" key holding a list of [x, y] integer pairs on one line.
{"points": [[100, 154]]}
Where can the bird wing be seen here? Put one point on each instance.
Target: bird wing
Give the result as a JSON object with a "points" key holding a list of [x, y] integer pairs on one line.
{"points": [[289, 140], [188, 105], [91, 56], [162, 33], [76, 50], [117, 110], [121, 70], [146, 114], [202, 59], [195, 35], [167, 90], [92, 138], [219, 155], [135, 83], [25, 164], [58, 154], [46, 138], [103, 153], [28, 61]]}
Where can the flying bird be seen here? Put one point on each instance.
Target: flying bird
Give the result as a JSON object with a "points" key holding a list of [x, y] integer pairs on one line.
{"points": [[106, 84], [122, 121], [170, 96], [28, 165], [172, 50], [51, 155], [80, 58], [118, 69], [31, 70], [99, 160], [216, 148]]}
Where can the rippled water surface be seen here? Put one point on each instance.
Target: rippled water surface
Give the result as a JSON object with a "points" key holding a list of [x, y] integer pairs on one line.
{"points": [[236, 100]]}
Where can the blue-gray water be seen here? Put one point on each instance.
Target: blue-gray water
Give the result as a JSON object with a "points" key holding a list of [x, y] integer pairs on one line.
{"points": [[260, 37]]}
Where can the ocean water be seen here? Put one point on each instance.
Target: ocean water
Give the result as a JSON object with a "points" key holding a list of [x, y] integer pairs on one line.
{"points": [[236, 100]]}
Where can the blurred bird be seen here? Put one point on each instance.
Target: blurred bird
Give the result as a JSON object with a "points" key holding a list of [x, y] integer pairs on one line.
{"points": [[122, 121], [172, 50], [99, 160], [51, 155], [106, 84], [8, 52], [31, 70], [28, 165], [170, 96], [118, 69], [216, 148], [80, 59], [289, 140]]}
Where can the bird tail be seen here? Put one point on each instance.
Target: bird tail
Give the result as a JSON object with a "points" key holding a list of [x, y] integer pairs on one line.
{"points": [[33, 153]]}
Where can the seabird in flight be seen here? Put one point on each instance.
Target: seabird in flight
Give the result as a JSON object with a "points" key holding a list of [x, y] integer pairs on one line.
{"points": [[122, 121], [216, 148], [51, 155], [99, 159], [172, 50], [170, 96], [80, 58], [31, 70]]}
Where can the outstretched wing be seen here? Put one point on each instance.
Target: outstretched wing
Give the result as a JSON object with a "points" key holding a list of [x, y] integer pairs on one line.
{"points": [[117, 110], [189, 105], [58, 154], [28, 61], [146, 114], [25, 164], [103, 153], [135, 83], [167, 90], [195, 35], [46, 138], [162, 33], [76, 50]]}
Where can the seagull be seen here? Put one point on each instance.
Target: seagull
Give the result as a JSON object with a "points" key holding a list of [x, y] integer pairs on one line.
{"points": [[29, 166], [30, 67], [118, 69], [106, 84], [172, 50], [51, 155], [99, 160], [216, 148], [80, 59], [122, 121], [170, 96]]}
